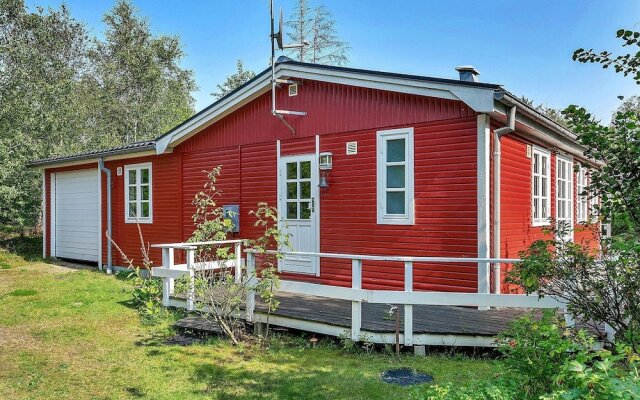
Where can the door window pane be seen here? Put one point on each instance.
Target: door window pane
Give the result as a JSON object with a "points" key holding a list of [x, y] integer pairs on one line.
{"points": [[292, 210], [292, 190], [305, 190], [305, 170], [292, 170], [395, 150], [395, 203], [305, 210]]}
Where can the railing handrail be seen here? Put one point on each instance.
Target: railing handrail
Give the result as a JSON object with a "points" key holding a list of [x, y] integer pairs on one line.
{"points": [[193, 245], [388, 258]]}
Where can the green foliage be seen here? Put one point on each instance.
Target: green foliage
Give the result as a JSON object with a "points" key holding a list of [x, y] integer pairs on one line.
{"points": [[496, 390], [147, 296], [627, 64], [536, 349], [63, 92], [234, 81]]}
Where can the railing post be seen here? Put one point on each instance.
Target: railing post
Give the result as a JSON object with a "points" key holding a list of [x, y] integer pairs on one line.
{"points": [[408, 308], [356, 305], [238, 254], [167, 283], [190, 268], [251, 293]]}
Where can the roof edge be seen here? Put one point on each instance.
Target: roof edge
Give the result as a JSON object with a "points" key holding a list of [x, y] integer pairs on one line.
{"points": [[53, 161]]}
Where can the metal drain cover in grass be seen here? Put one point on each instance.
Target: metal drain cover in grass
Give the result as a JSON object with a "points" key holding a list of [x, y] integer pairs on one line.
{"points": [[405, 377]]}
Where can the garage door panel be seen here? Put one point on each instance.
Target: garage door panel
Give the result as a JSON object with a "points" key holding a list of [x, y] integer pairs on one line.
{"points": [[76, 214]]}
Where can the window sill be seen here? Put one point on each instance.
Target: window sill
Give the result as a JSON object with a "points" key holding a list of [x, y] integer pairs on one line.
{"points": [[395, 221], [140, 221], [539, 224]]}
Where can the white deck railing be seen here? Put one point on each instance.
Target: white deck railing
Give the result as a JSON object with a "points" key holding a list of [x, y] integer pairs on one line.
{"points": [[407, 297], [169, 271]]}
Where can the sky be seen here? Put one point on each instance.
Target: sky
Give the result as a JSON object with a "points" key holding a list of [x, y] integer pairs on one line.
{"points": [[524, 45]]}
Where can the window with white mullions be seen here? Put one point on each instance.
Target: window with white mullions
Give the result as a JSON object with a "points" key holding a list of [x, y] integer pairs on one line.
{"points": [[395, 176], [298, 184], [564, 194], [138, 203], [541, 187], [583, 204]]}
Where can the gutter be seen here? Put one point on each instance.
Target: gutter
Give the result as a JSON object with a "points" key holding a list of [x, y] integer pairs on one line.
{"points": [[497, 205], [107, 172]]}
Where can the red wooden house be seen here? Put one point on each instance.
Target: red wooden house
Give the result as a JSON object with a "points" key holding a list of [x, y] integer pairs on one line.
{"points": [[413, 172]]}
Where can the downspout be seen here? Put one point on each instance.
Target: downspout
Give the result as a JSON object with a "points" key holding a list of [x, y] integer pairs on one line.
{"points": [[497, 135], [107, 172]]}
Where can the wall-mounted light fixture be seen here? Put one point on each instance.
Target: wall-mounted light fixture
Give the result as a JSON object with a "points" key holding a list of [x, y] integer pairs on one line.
{"points": [[325, 163]]}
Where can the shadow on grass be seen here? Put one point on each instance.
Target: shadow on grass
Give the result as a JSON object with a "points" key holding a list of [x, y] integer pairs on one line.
{"points": [[27, 247]]}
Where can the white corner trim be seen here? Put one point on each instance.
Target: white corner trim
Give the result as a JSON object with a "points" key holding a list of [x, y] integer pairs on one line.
{"points": [[382, 217], [99, 218], [483, 189], [44, 213]]}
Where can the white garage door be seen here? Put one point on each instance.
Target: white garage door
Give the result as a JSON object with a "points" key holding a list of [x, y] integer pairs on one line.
{"points": [[74, 212]]}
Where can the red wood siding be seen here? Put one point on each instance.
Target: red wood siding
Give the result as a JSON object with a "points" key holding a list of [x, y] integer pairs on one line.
{"points": [[166, 188]]}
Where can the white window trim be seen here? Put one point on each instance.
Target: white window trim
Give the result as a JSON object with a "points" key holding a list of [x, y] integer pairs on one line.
{"points": [[541, 221], [570, 181], [128, 219], [582, 201], [382, 217]]}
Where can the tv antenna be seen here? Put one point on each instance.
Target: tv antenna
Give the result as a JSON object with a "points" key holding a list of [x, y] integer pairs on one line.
{"points": [[277, 39]]}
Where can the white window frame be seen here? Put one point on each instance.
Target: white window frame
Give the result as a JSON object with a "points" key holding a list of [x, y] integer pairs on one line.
{"points": [[541, 221], [138, 167], [569, 199], [582, 206], [408, 218]]}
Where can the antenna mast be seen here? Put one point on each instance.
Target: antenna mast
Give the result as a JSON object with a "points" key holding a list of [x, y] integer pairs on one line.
{"points": [[277, 38]]}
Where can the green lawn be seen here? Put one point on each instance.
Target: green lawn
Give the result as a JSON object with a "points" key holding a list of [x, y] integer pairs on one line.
{"points": [[69, 334]]}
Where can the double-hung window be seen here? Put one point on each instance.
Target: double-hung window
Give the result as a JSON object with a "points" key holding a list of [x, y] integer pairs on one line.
{"points": [[395, 177], [583, 205], [541, 187], [137, 193]]}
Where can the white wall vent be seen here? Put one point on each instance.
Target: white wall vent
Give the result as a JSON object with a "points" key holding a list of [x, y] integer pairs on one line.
{"points": [[352, 148], [119, 171], [293, 89]]}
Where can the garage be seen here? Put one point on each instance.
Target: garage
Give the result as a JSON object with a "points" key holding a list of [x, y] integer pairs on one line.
{"points": [[74, 215]]}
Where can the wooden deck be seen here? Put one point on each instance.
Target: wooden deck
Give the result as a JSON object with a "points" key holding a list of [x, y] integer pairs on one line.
{"points": [[432, 325]]}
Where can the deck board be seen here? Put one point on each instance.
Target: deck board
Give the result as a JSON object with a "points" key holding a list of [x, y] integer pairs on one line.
{"points": [[426, 319]]}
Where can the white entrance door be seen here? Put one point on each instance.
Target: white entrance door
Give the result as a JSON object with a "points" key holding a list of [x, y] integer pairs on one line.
{"points": [[564, 196], [298, 194], [74, 215]]}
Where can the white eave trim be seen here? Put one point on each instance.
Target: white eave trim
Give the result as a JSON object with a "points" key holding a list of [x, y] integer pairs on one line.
{"points": [[480, 99]]}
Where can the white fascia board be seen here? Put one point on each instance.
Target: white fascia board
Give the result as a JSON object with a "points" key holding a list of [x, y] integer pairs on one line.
{"points": [[205, 119], [478, 98]]}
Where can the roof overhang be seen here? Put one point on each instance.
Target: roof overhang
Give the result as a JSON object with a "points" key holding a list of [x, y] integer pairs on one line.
{"points": [[92, 158]]}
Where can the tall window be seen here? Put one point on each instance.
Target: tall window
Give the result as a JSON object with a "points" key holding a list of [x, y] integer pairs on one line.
{"points": [[541, 187], [395, 176], [583, 205], [564, 192], [137, 184]]}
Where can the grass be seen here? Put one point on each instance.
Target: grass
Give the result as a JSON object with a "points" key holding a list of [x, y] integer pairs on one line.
{"points": [[71, 334]]}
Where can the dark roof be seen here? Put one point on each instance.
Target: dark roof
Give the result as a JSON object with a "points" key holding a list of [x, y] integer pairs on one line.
{"points": [[129, 148], [147, 145]]}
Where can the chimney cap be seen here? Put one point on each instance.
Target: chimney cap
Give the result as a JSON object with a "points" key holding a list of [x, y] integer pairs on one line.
{"points": [[468, 73]]}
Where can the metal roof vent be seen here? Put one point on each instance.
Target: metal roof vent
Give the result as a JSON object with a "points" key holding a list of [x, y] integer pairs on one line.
{"points": [[468, 73]]}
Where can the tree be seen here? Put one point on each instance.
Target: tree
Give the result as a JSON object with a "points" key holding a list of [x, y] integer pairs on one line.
{"points": [[600, 283], [234, 81], [141, 89], [316, 26], [42, 59]]}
